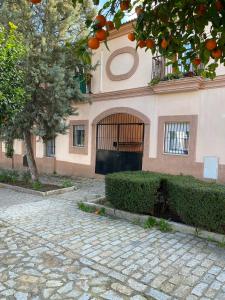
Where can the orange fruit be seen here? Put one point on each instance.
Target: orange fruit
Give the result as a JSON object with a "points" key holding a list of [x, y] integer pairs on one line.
{"points": [[201, 9], [196, 61], [150, 43], [164, 44], [210, 44], [110, 25], [188, 27], [131, 36], [164, 19], [141, 44], [124, 5], [93, 43], [217, 53], [139, 10], [219, 5], [35, 1], [100, 21], [101, 34]]}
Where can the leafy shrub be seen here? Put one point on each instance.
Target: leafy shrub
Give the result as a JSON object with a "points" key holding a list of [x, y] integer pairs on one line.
{"points": [[67, 183], [26, 177], [198, 203], [8, 176], [133, 191], [37, 185]]}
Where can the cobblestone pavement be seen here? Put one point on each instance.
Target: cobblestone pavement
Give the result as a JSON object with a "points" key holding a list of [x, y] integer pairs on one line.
{"points": [[51, 250]]}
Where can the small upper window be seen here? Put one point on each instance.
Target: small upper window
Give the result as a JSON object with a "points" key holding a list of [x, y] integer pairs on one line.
{"points": [[176, 138], [50, 147], [79, 135]]}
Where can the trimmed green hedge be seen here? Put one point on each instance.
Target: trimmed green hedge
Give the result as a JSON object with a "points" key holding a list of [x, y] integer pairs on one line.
{"points": [[195, 202], [133, 191], [198, 203]]}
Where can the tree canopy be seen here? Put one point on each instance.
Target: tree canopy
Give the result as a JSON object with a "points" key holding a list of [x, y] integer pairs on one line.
{"points": [[54, 35], [184, 31], [12, 91]]}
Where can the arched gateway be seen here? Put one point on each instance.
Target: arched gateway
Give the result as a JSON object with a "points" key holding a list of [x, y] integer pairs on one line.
{"points": [[119, 143]]}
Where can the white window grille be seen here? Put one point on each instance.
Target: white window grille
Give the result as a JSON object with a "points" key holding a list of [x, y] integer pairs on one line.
{"points": [[176, 138], [79, 135]]}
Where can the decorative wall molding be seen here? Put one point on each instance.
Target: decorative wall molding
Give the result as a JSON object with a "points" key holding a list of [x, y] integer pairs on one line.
{"points": [[127, 75], [125, 110], [178, 85], [117, 95], [170, 86], [218, 82]]}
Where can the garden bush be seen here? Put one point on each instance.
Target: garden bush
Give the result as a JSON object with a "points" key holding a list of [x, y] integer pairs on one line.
{"points": [[133, 191], [195, 202], [198, 203], [8, 176]]}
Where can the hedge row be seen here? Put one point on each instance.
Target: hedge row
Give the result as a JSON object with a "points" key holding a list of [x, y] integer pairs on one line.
{"points": [[132, 191], [195, 202], [199, 204]]}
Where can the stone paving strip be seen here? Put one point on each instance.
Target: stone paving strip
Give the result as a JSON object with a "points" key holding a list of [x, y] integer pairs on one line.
{"points": [[51, 250], [33, 268]]}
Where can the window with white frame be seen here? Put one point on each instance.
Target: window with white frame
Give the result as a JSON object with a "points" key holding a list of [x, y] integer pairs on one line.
{"points": [[50, 147], [176, 138], [79, 135]]}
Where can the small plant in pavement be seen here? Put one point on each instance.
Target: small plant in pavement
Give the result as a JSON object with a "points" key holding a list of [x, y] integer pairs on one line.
{"points": [[67, 183], [37, 185], [150, 223], [162, 225], [90, 209]]}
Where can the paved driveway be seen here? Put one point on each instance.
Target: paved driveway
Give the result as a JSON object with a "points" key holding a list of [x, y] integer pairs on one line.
{"points": [[51, 250]]}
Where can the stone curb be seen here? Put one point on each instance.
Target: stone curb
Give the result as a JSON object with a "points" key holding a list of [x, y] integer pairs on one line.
{"points": [[38, 193], [132, 217]]}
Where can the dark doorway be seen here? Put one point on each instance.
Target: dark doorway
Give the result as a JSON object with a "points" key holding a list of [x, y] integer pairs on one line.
{"points": [[119, 144]]}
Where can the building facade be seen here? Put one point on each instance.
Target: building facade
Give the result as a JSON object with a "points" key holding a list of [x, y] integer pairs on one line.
{"points": [[176, 126]]}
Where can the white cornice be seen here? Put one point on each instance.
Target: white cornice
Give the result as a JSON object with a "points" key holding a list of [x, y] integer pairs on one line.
{"points": [[129, 93], [165, 87], [178, 85], [124, 29]]}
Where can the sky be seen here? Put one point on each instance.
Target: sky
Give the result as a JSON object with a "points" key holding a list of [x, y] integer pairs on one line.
{"points": [[127, 18]]}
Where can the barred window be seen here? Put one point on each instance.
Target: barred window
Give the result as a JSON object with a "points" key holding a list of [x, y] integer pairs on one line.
{"points": [[50, 147], [78, 135], [176, 138]]}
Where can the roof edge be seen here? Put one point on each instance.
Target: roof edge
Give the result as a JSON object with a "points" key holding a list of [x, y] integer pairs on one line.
{"points": [[124, 29]]}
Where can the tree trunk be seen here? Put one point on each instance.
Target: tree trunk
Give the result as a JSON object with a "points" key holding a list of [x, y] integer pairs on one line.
{"points": [[30, 156], [13, 162], [174, 69]]}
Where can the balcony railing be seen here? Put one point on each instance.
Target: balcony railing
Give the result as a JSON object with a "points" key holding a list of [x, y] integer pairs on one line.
{"points": [[162, 71], [85, 85]]}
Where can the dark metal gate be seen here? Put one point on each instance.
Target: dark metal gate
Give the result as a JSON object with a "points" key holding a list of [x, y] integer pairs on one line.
{"points": [[119, 144]]}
